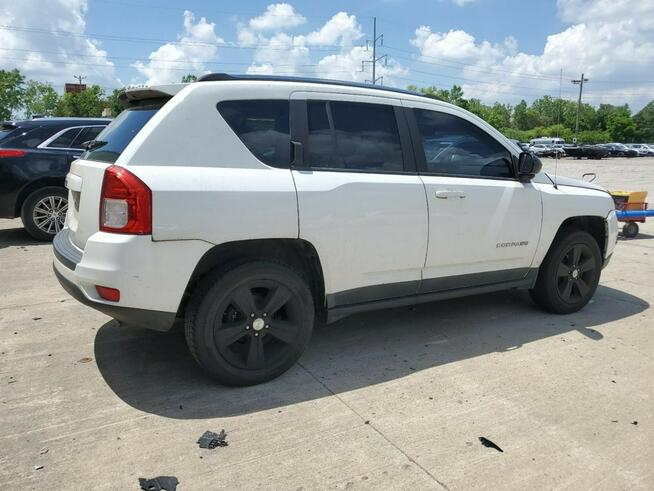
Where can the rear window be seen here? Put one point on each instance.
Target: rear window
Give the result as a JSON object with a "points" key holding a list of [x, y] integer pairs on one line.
{"points": [[4, 131], [119, 134], [262, 126]]}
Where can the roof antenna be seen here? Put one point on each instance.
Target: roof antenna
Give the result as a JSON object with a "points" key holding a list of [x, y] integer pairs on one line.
{"points": [[558, 124]]}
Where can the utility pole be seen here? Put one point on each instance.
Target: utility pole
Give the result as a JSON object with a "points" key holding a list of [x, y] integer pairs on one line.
{"points": [[374, 59], [580, 83], [79, 78]]}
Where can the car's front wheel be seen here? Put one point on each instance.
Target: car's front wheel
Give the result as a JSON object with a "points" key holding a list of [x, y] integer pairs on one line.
{"points": [[44, 212], [569, 274], [251, 323]]}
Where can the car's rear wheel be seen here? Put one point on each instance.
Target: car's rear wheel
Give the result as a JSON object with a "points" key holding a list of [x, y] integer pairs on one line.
{"points": [[251, 323], [44, 212], [569, 274]]}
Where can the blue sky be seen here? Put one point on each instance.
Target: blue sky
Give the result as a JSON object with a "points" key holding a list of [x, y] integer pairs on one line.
{"points": [[503, 50]]}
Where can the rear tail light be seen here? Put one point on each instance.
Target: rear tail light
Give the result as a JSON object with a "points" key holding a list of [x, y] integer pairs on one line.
{"points": [[111, 294], [125, 203], [5, 154]]}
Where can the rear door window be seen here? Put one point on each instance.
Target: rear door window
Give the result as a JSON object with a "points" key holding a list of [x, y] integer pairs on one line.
{"points": [[65, 139], [353, 136], [119, 134], [262, 126]]}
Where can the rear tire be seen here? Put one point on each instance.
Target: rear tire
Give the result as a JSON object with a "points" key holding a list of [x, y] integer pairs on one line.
{"points": [[251, 323], [569, 274], [44, 212]]}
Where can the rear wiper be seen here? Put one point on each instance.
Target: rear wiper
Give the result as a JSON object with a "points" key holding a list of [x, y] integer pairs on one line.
{"points": [[93, 144]]}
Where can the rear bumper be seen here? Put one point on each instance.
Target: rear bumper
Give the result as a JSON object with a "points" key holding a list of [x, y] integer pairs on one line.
{"points": [[151, 276], [148, 319]]}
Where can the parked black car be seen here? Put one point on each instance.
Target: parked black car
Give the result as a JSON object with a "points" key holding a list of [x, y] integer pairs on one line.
{"points": [[35, 156], [620, 150], [588, 151]]}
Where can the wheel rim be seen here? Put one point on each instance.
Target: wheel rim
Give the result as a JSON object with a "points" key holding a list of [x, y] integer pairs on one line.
{"points": [[49, 214], [576, 273], [257, 324]]}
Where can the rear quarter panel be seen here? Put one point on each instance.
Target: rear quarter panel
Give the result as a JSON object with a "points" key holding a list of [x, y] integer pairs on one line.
{"points": [[205, 183]]}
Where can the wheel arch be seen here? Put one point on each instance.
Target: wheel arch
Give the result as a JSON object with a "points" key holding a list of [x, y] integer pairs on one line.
{"points": [[299, 254], [594, 225], [35, 186]]}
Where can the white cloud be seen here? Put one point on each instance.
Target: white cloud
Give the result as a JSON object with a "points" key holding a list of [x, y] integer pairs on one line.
{"points": [[43, 56], [277, 16], [197, 45], [286, 54], [610, 41], [341, 29], [462, 3]]}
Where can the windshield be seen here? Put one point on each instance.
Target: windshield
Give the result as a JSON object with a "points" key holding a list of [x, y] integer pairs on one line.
{"points": [[115, 137]]}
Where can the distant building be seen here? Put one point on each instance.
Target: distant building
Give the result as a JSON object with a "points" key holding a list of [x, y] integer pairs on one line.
{"points": [[74, 88]]}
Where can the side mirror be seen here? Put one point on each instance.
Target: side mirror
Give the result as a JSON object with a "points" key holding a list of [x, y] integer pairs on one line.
{"points": [[528, 166]]}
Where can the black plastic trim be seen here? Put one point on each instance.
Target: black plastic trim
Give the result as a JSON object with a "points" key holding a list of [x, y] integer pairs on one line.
{"points": [[339, 304], [432, 285], [65, 251], [147, 319]]}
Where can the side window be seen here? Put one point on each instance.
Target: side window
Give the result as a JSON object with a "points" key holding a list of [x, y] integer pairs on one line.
{"points": [[87, 134], [31, 137], [454, 146], [65, 139], [353, 136], [262, 126]]}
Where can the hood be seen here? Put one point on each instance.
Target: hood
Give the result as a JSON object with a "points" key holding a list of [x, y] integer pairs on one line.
{"points": [[576, 183]]}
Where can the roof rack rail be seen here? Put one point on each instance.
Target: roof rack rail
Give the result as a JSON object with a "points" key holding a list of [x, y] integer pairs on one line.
{"points": [[221, 77]]}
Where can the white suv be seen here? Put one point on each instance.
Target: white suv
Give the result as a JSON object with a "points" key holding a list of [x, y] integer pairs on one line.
{"points": [[248, 207]]}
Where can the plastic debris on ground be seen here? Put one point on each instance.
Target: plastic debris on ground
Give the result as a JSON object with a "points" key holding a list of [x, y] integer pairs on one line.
{"points": [[487, 443], [212, 440], [161, 483]]}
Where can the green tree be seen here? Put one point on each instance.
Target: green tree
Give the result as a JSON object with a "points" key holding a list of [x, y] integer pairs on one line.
{"points": [[521, 119], [498, 115], [40, 99], [113, 103], [644, 121], [622, 128], [188, 78], [12, 92], [88, 103]]}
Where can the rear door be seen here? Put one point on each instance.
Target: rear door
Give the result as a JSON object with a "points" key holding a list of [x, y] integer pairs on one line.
{"points": [[360, 201], [484, 224]]}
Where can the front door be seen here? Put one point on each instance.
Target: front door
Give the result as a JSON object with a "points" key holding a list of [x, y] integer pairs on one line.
{"points": [[484, 224]]}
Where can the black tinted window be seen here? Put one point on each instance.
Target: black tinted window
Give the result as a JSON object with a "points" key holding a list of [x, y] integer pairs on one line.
{"points": [[353, 136], [87, 134], [119, 134], [30, 137], [65, 139], [262, 126], [454, 146]]}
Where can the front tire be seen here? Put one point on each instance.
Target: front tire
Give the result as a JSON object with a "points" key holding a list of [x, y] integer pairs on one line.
{"points": [[250, 324], [569, 274], [44, 212]]}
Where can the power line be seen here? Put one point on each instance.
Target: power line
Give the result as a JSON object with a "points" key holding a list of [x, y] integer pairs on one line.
{"points": [[374, 60]]}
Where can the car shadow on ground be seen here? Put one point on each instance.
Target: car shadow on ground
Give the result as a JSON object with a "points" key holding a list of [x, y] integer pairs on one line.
{"points": [[154, 372], [16, 237], [640, 236]]}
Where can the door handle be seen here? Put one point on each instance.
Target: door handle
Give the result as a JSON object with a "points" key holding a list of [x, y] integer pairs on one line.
{"points": [[444, 194]]}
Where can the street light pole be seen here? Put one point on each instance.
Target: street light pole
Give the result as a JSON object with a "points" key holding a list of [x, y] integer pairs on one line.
{"points": [[580, 83]]}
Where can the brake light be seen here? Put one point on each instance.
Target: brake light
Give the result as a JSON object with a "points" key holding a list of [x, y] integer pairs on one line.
{"points": [[5, 154], [125, 203]]}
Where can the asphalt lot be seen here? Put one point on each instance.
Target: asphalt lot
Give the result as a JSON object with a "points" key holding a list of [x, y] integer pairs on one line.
{"points": [[392, 399]]}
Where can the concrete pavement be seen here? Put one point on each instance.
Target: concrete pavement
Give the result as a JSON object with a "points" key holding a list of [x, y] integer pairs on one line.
{"points": [[387, 400]]}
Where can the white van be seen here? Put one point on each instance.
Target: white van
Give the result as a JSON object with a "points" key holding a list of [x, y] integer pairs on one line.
{"points": [[547, 141]]}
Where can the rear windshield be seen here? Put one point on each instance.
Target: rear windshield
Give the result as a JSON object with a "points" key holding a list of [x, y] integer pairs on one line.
{"points": [[5, 130], [119, 133]]}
